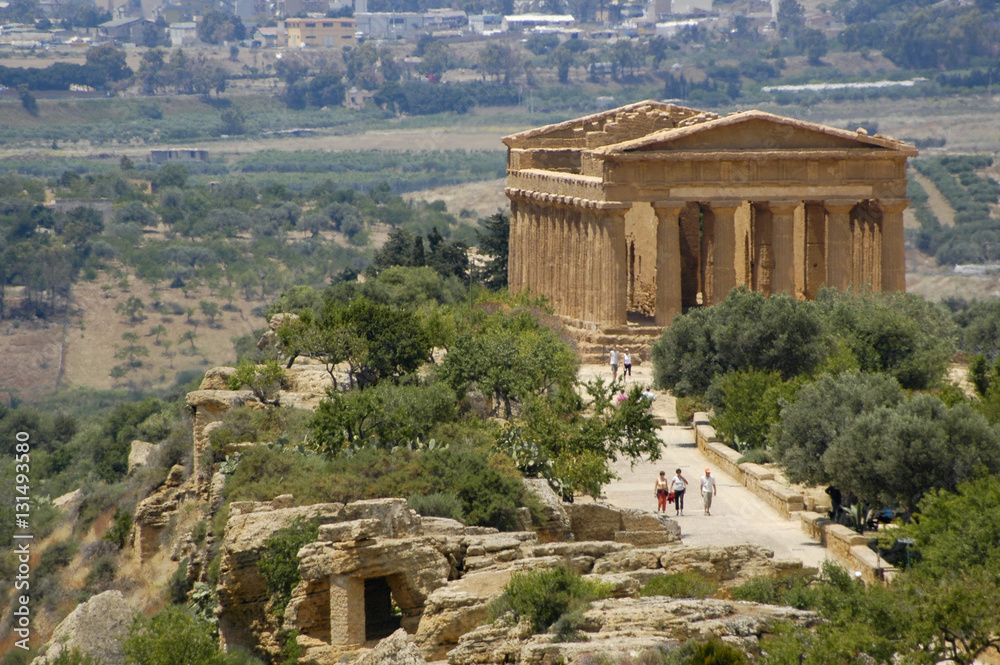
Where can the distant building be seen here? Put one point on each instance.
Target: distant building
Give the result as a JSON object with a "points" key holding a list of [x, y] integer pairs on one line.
{"points": [[183, 34], [124, 30], [485, 23], [390, 25], [270, 37], [445, 19], [530, 21], [179, 155], [326, 32], [685, 7]]}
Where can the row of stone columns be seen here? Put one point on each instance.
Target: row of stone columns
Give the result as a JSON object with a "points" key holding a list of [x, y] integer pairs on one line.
{"points": [[573, 252], [861, 248]]}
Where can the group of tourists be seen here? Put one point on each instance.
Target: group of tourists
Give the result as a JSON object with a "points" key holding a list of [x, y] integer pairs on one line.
{"points": [[673, 490], [626, 360], [666, 491]]}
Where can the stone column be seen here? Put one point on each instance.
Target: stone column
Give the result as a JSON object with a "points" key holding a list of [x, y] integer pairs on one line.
{"points": [[783, 243], [514, 254], [668, 261], [573, 244], [723, 251], [858, 252], [591, 280], [893, 261], [839, 261], [612, 267], [557, 246], [347, 610]]}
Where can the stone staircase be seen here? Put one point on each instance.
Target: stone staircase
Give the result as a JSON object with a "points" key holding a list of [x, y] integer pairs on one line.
{"points": [[594, 342]]}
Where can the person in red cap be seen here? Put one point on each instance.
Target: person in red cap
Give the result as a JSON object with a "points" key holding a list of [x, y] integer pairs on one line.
{"points": [[708, 490]]}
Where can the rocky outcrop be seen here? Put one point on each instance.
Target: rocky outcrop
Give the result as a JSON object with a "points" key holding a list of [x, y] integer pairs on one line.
{"points": [[393, 650], [555, 524], [95, 628], [153, 513], [602, 521], [618, 628], [139, 454], [720, 564], [242, 589]]}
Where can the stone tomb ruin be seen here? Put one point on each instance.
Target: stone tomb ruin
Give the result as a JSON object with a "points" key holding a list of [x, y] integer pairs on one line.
{"points": [[378, 566], [640, 213]]}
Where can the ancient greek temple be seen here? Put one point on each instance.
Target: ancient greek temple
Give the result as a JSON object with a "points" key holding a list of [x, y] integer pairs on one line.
{"points": [[642, 212]]}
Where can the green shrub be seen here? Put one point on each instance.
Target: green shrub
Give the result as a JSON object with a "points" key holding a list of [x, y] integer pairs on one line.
{"points": [[121, 530], [179, 585], [680, 585], [56, 555], [171, 637], [712, 652], [438, 504], [542, 597], [756, 456], [279, 561], [688, 406], [793, 590]]}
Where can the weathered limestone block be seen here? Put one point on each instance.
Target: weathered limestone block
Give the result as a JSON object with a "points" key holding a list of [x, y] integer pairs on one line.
{"points": [[354, 531], [490, 644], [456, 609], [588, 548], [594, 521], [441, 526], [555, 526], [645, 538], [95, 628], [153, 514], [217, 378], [629, 559], [721, 564], [139, 454], [397, 649], [396, 516]]}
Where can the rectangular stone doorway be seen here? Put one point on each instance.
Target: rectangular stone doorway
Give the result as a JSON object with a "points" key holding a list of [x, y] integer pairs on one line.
{"points": [[381, 617]]}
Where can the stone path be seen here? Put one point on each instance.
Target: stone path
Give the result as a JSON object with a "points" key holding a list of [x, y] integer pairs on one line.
{"points": [[737, 517]]}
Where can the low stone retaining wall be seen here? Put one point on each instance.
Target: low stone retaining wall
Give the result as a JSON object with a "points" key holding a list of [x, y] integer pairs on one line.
{"points": [[847, 547], [754, 477]]}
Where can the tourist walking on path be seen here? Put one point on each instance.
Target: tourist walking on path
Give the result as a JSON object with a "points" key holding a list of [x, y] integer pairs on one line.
{"points": [[661, 490], [627, 362], [708, 490], [614, 364], [680, 484]]}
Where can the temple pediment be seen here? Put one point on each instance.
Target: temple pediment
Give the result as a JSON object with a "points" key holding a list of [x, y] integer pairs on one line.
{"points": [[625, 123], [755, 131]]}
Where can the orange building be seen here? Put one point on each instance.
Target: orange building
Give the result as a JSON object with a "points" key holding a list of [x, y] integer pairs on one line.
{"points": [[325, 32]]}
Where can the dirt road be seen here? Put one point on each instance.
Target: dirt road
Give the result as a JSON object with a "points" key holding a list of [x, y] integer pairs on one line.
{"points": [[737, 515]]}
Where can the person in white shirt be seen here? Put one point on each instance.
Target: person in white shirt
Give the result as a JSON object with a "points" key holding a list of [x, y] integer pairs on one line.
{"points": [[627, 362], [708, 490], [680, 484], [614, 364]]}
